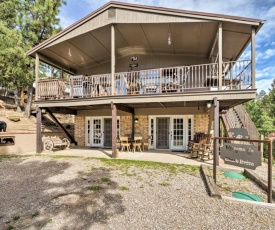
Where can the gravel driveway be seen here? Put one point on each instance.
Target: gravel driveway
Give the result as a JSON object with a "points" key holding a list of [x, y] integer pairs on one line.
{"points": [[40, 192]]}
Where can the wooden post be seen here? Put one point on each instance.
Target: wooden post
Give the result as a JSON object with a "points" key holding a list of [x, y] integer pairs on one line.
{"points": [[36, 75], [113, 59], [262, 147], [38, 130], [253, 58], [216, 141], [114, 130], [220, 56], [269, 190]]}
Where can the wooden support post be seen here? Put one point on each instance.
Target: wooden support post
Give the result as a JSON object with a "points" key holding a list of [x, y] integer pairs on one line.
{"points": [[113, 59], [220, 56], [38, 130], [216, 141], [269, 190], [36, 75], [114, 130], [253, 58]]}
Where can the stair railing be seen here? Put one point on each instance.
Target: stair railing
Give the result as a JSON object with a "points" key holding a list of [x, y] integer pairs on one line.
{"points": [[247, 122]]}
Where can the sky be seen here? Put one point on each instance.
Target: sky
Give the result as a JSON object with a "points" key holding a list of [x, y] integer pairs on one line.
{"points": [[264, 10]]}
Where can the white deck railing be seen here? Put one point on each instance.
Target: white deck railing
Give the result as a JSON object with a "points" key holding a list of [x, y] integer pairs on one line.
{"points": [[235, 75]]}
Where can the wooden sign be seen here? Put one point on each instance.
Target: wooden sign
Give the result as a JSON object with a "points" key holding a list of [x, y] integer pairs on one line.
{"points": [[241, 155]]}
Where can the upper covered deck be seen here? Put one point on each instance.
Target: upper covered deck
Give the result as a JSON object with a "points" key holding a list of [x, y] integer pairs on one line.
{"points": [[132, 51]]}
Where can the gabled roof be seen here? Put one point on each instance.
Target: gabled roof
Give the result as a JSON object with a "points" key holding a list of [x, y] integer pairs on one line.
{"points": [[146, 9], [143, 30]]}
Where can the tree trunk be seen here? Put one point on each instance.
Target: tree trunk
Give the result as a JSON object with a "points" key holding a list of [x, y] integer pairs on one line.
{"points": [[16, 99], [27, 112]]}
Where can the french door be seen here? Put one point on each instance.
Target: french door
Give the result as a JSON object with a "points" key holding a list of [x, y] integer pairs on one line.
{"points": [[98, 131], [170, 132]]}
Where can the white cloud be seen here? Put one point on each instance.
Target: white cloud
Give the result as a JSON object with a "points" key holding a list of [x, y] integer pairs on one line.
{"points": [[66, 21], [264, 85], [265, 55], [265, 73]]}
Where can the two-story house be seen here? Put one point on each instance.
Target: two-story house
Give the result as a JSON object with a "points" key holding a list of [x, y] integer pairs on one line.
{"points": [[149, 71]]}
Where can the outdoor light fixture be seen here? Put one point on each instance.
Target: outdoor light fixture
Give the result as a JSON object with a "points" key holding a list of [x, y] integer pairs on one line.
{"points": [[133, 65], [208, 105], [169, 39], [136, 120], [69, 52]]}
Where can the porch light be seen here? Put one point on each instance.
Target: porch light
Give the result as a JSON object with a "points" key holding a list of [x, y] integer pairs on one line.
{"points": [[136, 120], [169, 39], [69, 52], [208, 105], [133, 65]]}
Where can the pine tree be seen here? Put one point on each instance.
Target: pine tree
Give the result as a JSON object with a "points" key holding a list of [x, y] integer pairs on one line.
{"points": [[24, 24]]}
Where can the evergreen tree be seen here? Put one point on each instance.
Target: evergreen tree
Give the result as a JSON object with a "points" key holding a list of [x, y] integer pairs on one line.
{"points": [[24, 24]]}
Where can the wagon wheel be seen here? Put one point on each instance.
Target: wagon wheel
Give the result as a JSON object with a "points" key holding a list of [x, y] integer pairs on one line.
{"points": [[67, 142], [48, 145]]}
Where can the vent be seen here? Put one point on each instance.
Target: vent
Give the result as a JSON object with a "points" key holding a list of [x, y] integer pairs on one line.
{"points": [[112, 13]]}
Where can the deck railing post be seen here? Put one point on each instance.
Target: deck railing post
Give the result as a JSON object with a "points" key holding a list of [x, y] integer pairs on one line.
{"points": [[36, 75], [113, 59], [220, 57]]}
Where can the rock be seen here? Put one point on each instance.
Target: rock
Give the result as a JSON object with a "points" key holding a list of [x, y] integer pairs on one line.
{"points": [[14, 118]]}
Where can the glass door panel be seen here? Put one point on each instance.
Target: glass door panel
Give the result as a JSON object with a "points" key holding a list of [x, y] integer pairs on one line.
{"points": [[97, 133], [177, 133], [108, 132], [162, 133]]}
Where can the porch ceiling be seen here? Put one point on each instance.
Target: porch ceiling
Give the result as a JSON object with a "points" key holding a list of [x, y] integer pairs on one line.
{"points": [[188, 39]]}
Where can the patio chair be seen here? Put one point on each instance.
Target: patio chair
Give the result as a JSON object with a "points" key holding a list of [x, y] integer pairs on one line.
{"points": [[137, 143], [195, 146], [146, 143], [206, 149], [124, 143]]}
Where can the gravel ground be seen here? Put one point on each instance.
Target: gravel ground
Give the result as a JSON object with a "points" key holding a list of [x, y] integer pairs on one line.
{"points": [[75, 193]]}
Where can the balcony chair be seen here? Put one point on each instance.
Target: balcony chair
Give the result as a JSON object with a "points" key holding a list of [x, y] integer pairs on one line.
{"points": [[212, 80], [124, 144], [137, 143], [175, 82]]}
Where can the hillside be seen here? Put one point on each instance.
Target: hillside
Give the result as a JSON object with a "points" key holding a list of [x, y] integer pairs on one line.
{"points": [[16, 122]]}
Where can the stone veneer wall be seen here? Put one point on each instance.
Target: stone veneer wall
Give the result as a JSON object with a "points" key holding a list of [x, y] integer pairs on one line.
{"points": [[79, 130], [141, 127], [200, 125], [201, 122]]}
